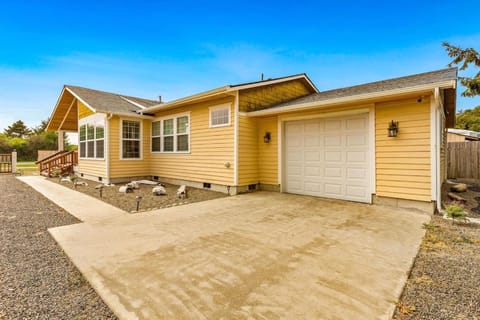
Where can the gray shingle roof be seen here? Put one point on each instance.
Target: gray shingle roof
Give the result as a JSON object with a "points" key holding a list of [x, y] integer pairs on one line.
{"points": [[378, 86], [103, 101]]}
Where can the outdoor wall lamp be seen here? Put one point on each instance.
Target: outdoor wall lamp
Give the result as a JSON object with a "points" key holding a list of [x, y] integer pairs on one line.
{"points": [[267, 137], [393, 129]]}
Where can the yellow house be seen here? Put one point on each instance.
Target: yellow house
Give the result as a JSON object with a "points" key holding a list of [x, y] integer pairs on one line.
{"points": [[381, 142]]}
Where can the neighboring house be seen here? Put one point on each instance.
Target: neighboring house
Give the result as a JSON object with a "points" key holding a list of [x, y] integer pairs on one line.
{"points": [[461, 135], [278, 134]]}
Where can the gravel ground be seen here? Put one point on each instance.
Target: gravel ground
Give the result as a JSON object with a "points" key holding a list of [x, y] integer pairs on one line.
{"points": [[127, 201], [37, 280], [444, 281]]}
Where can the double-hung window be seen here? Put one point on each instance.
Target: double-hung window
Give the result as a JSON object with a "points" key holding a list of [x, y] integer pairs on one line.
{"points": [[92, 138], [171, 134], [131, 139]]}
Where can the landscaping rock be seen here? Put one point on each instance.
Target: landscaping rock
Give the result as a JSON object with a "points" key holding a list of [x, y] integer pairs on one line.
{"points": [[159, 191], [182, 192], [133, 185], [456, 197], [125, 189], [37, 280], [459, 187]]}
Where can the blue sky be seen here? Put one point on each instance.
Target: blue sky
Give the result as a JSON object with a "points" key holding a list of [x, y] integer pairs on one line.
{"points": [[177, 48]]}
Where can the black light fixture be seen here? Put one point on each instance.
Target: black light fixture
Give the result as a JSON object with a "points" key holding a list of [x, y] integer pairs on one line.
{"points": [[393, 129], [267, 137]]}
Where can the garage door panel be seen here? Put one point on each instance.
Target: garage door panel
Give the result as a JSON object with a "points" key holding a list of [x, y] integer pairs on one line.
{"points": [[332, 124], [333, 156], [312, 187], [356, 173], [333, 189], [328, 157], [356, 191], [332, 141], [356, 156], [356, 140], [313, 155], [331, 172], [360, 124]]}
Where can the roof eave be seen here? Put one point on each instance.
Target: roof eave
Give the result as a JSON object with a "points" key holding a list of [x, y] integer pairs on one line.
{"points": [[343, 100], [54, 110]]}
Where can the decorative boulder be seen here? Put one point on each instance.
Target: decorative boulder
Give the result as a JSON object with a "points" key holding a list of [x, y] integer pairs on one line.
{"points": [[159, 191], [133, 185], [80, 183], [125, 189], [182, 192], [99, 186], [65, 179], [459, 187]]}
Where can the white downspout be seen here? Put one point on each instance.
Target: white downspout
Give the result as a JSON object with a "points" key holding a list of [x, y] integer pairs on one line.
{"points": [[107, 149]]}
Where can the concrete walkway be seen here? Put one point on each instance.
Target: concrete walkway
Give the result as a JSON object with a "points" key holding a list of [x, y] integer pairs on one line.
{"points": [[254, 256], [79, 205]]}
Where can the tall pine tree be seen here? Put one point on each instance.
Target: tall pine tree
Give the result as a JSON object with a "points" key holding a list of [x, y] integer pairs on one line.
{"points": [[17, 129], [463, 58]]}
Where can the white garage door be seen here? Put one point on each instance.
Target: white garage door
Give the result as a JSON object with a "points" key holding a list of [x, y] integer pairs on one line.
{"points": [[328, 157]]}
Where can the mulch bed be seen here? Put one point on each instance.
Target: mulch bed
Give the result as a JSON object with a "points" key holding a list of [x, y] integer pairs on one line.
{"points": [[128, 201], [445, 280], [472, 197], [37, 280]]}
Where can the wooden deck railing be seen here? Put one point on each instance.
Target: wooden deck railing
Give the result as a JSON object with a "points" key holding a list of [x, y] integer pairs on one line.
{"points": [[61, 161]]}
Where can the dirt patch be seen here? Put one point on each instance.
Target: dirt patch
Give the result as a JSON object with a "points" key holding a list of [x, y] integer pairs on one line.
{"points": [[445, 278], [128, 201], [472, 196]]}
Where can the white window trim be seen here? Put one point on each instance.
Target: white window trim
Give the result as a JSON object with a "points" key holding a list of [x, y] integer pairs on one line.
{"points": [[140, 139], [174, 117], [96, 119], [220, 107]]}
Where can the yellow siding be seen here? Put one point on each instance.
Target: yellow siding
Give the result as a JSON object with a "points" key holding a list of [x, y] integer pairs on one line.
{"points": [[83, 110], [128, 168], [210, 149], [267, 152], [248, 141], [260, 98], [403, 163], [96, 168]]}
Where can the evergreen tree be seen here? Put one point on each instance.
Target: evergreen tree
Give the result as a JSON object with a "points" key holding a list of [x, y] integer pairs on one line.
{"points": [[463, 58], [17, 129]]}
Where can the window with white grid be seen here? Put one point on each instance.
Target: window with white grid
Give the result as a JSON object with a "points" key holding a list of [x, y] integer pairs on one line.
{"points": [[220, 116]]}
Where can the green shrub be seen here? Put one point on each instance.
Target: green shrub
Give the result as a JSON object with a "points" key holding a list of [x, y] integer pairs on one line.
{"points": [[455, 212]]}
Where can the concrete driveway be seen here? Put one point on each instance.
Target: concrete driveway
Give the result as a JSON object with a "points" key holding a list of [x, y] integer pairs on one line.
{"points": [[255, 256]]}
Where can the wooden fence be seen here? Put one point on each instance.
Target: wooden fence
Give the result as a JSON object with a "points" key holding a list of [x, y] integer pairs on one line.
{"points": [[463, 160]]}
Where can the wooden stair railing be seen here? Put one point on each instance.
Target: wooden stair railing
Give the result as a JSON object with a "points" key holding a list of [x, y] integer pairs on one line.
{"points": [[63, 162]]}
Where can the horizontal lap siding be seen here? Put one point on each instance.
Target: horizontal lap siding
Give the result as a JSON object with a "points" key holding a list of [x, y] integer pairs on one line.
{"points": [[248, 141], [403, 163], [95, 168], [128, 168], [268, 152], [210, 149]]}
